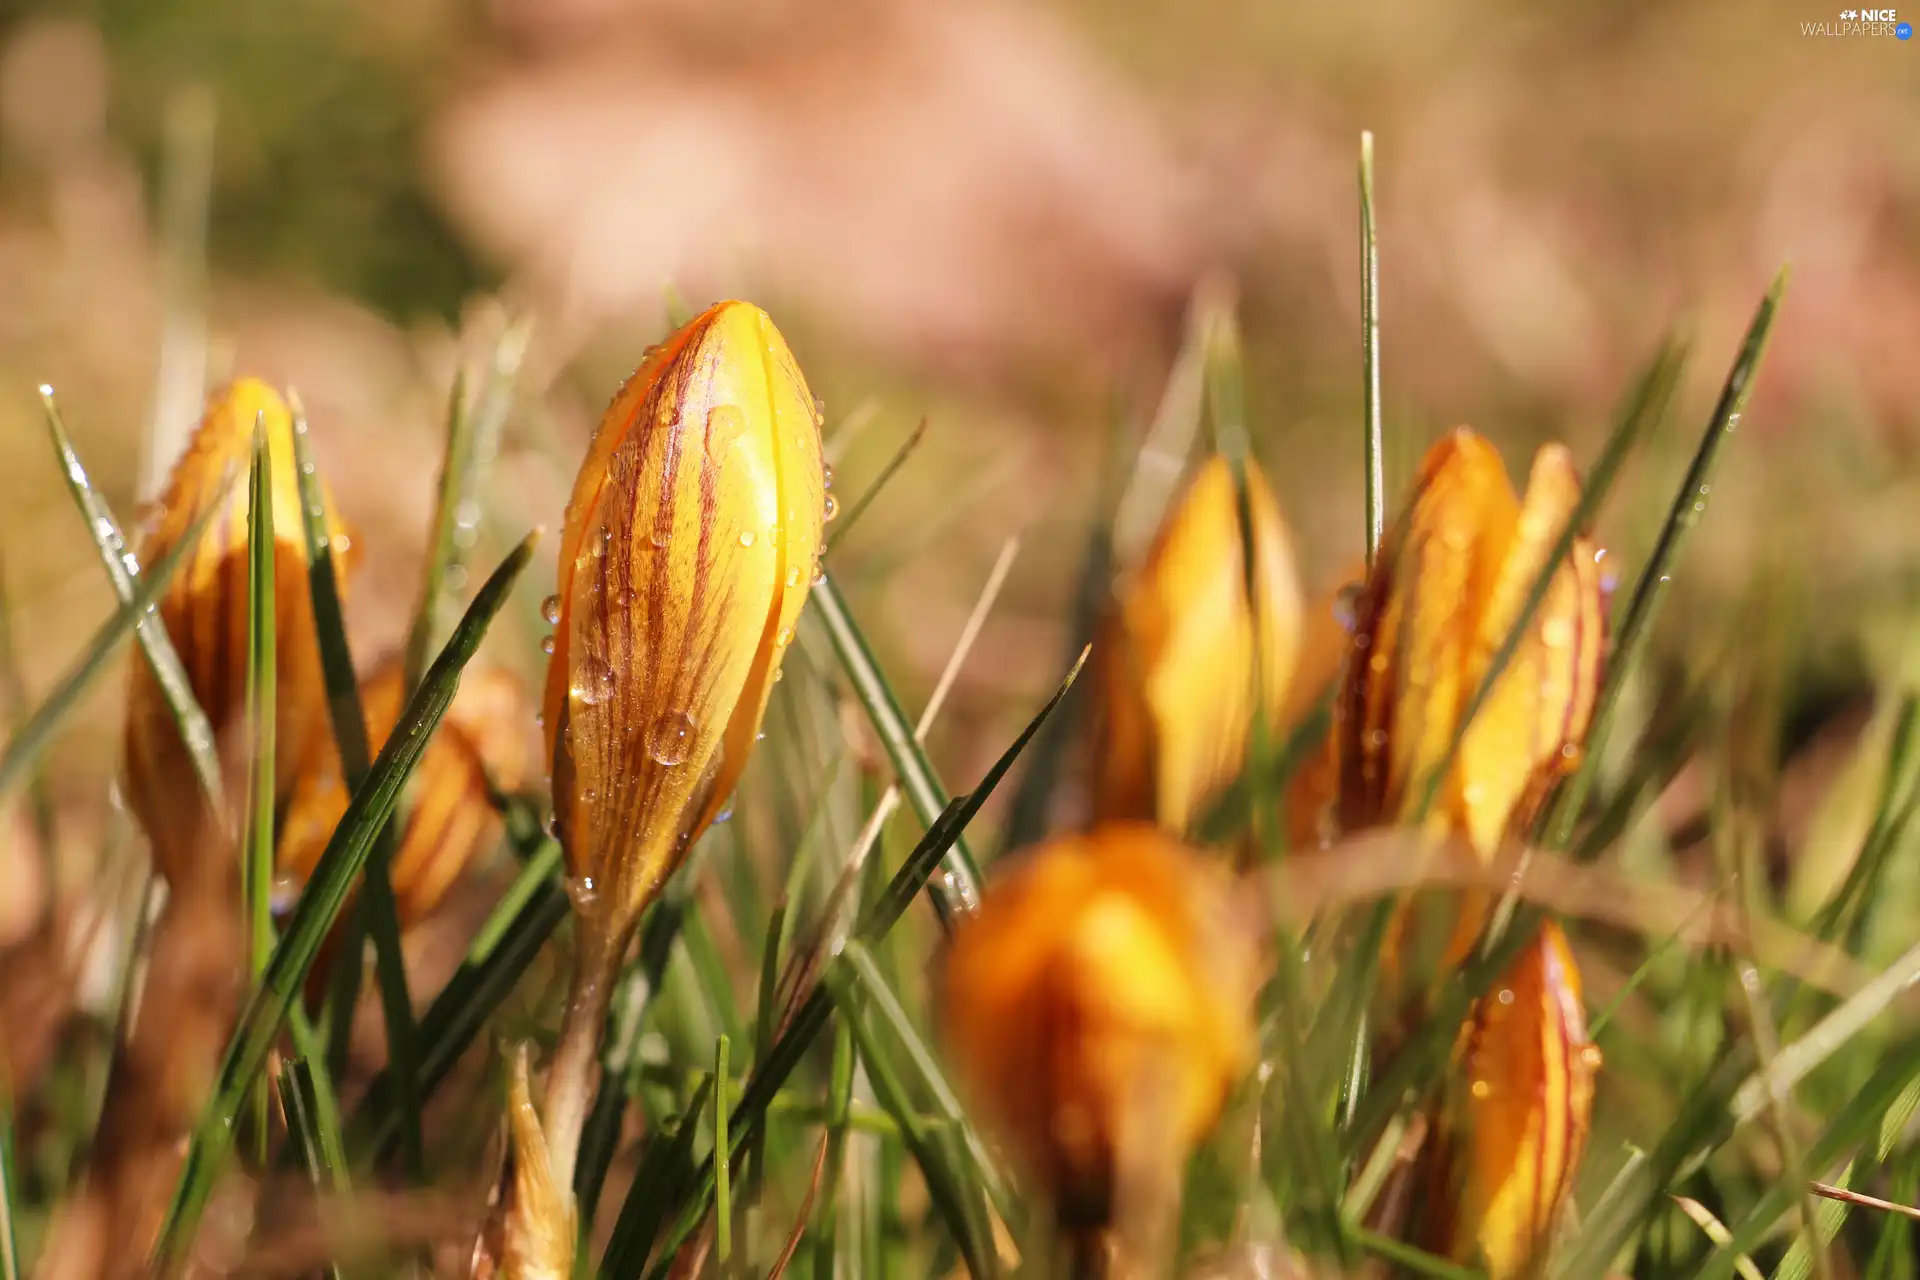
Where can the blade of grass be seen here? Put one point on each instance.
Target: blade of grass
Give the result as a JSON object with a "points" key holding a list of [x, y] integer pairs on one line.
{"points": [[123, 571], [640, 1219], [377, 915], [956, 890], [839, 1120], [473, 438], [1376, 484], [947, 1185], [34, 735], [256, 865], [9, 1182], [667, 1163], [860, 505], [723, 1183], [319, 904], [1630, 635], [13, 692]]}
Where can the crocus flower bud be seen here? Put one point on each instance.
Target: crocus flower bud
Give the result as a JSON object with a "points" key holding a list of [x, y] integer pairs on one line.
{"points": [[1179, 651], [1447, 587], [691, 541], [204, 610], [1099, 1007], [451, 819], [1514, 1124]]}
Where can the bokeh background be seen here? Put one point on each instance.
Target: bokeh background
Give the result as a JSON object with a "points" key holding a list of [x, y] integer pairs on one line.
{"points": [[991, 216]]}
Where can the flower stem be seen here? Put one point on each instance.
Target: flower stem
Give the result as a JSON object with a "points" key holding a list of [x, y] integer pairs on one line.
{"points": [[571, 1079]]}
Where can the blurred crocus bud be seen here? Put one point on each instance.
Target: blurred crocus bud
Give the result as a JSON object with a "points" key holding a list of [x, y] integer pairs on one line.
{"points": [[204, 610], [1515, 1121], [1447, 587], [451, 819], [1179, 649], [691, 541], [1099, 1007]]}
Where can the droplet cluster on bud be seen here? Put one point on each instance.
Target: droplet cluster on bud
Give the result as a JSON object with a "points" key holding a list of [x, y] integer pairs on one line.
{"points": [[691, 540], [1184, 653], [204, 610]]}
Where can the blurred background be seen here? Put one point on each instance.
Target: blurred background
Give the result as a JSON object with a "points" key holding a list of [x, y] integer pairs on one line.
{"points": [[991, 216]]}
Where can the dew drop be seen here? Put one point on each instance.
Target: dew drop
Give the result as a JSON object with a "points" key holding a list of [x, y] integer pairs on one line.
{"points": [[546, 645], [593, 682], [746, 537], [1482, 1090], [1590, 1056], [726, 811], [1506, 995], [725, 424], [657, 536], [785, 637], [793, 576], [550, 610], [826, 476], [819, 575], [1377, 738], [778, 673], [1556, 633], [583, 891], [831, 509], [670, 738], [819, 411]]}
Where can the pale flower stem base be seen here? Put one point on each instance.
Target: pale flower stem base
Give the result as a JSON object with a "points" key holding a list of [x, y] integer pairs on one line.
{"points": [[573, 1073]]}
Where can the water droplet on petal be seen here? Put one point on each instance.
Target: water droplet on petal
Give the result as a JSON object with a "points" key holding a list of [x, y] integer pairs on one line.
{"points": [[657, 536], [831, 509], [826, 476], [746, 537], [593, 682], [819, 411], [670, 738], [546, 645], [1346, 605], [1482, 1090], [550, 610], [785, 637], [1506, 995], [819, 576], [583, 891], [726, 811], [793, 576]]}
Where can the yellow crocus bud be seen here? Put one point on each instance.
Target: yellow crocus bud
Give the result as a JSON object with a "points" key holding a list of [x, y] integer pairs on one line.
{"points": [[451, 818], [1515, 1122], [1447, 587], [691, 541], [1098, 1007], [204, 610], [1177, 654]]}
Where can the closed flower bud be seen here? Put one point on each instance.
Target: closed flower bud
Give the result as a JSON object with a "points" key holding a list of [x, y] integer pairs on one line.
{"points": [[1514, 1124], [1098, 1006], [451, 819], [1446, 589], [691, 541], [1179, 650], [535, 1230], [204, 610]]}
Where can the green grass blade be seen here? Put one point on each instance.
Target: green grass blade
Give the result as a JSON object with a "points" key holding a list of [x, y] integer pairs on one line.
{"points": [[473, 438], [826, 1217], [34, 735], [639, 1221], [723, 1181], [947, 1185], [956, 891], [1376, 484], [13, 695], [9, 1182], [887, 472], [666, 1165], [379, 916], [1634, 629], [319, 904], [256, 866], [123, 572]]}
